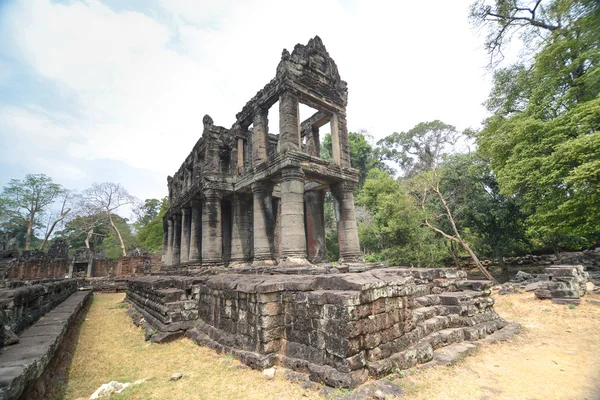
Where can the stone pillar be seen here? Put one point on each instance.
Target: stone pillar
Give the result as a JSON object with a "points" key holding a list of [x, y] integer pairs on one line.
{"points": [[335, 139], [346, 222], [240, 156], [314, 201], [343, 140], [176, 239], [195, 233], [289, 125], [89, 268], [262, 223], [241, 244], [71, 267], [260, 137], [165, 245], [212, 245], [169, 258], [293, 237], [185, 235]]}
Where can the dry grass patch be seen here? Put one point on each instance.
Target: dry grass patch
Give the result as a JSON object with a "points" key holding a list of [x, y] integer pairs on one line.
{"points": [[110, 347], [556, 357]]}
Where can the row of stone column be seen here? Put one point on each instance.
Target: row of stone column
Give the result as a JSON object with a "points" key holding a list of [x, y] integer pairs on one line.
{"points": [[196, 233]]}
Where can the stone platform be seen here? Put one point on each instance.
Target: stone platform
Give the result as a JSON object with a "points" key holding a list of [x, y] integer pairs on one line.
{"points": [[339, 328]]}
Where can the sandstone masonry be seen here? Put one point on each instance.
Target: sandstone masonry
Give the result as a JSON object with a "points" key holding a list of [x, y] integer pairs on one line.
{"points": [[246, 195]]}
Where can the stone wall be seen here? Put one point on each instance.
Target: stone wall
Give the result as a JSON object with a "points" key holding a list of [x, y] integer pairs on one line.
{"points": [[23, 306], [27, 368], [339, 328]]}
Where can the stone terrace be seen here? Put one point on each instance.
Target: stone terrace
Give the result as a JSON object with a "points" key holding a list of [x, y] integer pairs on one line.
{"points": [[338, 328]]}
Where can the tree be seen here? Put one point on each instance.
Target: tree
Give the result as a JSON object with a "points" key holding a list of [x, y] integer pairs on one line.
{"points": [[67, 196], [393, 232], [25, 201], [87, 224], [146, 212], [494, 222], [420, 148], [150, 234], [543, 135], [420, 152], [108, 197]]}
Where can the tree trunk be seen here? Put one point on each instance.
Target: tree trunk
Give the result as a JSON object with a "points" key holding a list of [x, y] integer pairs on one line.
{"points": [[56, 221], [88, 236], [118, 234], [28, 234]]}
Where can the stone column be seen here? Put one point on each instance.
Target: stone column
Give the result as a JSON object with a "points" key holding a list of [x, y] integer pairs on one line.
{"points": [[169, 258], [185, 235], [212, 245], [314, 201], [195, 234], [335, 139], [346, 222], [71, 267], [289, 125], [165, 245], [260, 137], [262, 223], [89, 268], [343, 139], [241, 246], [240, 156], [176, 239], [293, 238]]}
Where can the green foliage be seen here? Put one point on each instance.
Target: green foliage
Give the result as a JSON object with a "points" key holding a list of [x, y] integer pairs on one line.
{"points": [[543, 138], [393, 231], [363, 156], [150, 235], [111, 245], [493, 222], [420, 148], [24, 203]]}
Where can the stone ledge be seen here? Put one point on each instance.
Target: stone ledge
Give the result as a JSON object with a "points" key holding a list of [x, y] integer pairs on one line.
{"points": [[21, 364]]}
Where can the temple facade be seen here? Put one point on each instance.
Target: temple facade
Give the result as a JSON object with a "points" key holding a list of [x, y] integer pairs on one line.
{"points": [[249, 196]]}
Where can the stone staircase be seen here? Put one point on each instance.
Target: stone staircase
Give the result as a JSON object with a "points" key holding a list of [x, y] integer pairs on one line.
{"points": [[445, 325]]}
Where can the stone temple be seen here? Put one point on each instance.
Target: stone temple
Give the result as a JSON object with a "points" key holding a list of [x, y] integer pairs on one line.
{"points": [[249, 196], [252, 199]]}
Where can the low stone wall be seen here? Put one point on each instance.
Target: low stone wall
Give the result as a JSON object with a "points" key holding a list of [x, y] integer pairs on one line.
{"points": [[22, 306], [25, 367], [339, 328], [566, 285]]}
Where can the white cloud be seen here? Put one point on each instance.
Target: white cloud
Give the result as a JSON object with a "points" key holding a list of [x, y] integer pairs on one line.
{"points": [[142, 87]]}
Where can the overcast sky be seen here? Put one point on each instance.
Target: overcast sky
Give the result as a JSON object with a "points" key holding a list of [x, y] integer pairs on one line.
{"points": [[116, 90]]}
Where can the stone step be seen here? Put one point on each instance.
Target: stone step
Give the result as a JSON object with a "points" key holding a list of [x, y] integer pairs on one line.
{"points": [[428, 300], [453, 352], [475, 285], [438, 323], [422, 314], [459, 298]]}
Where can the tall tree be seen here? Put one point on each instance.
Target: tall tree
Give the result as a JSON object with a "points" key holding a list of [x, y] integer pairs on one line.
{"points": [[543, 136], [420, 148], [150, 234], [28, 199], [58, 217], [420, 152], [108, 197]]}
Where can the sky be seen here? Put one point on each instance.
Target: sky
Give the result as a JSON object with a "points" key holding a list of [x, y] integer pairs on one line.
{"points": [[115, 90]]}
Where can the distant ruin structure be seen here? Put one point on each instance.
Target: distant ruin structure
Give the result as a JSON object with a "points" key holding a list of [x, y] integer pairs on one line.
{"points": [[249, 195]]}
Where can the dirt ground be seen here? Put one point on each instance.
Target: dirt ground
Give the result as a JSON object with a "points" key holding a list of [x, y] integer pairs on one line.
{"points": [[556, 357]]}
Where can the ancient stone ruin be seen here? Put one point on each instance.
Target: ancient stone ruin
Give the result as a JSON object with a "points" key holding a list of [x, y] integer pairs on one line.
{"points": [[244, 250], [249, 195]]}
